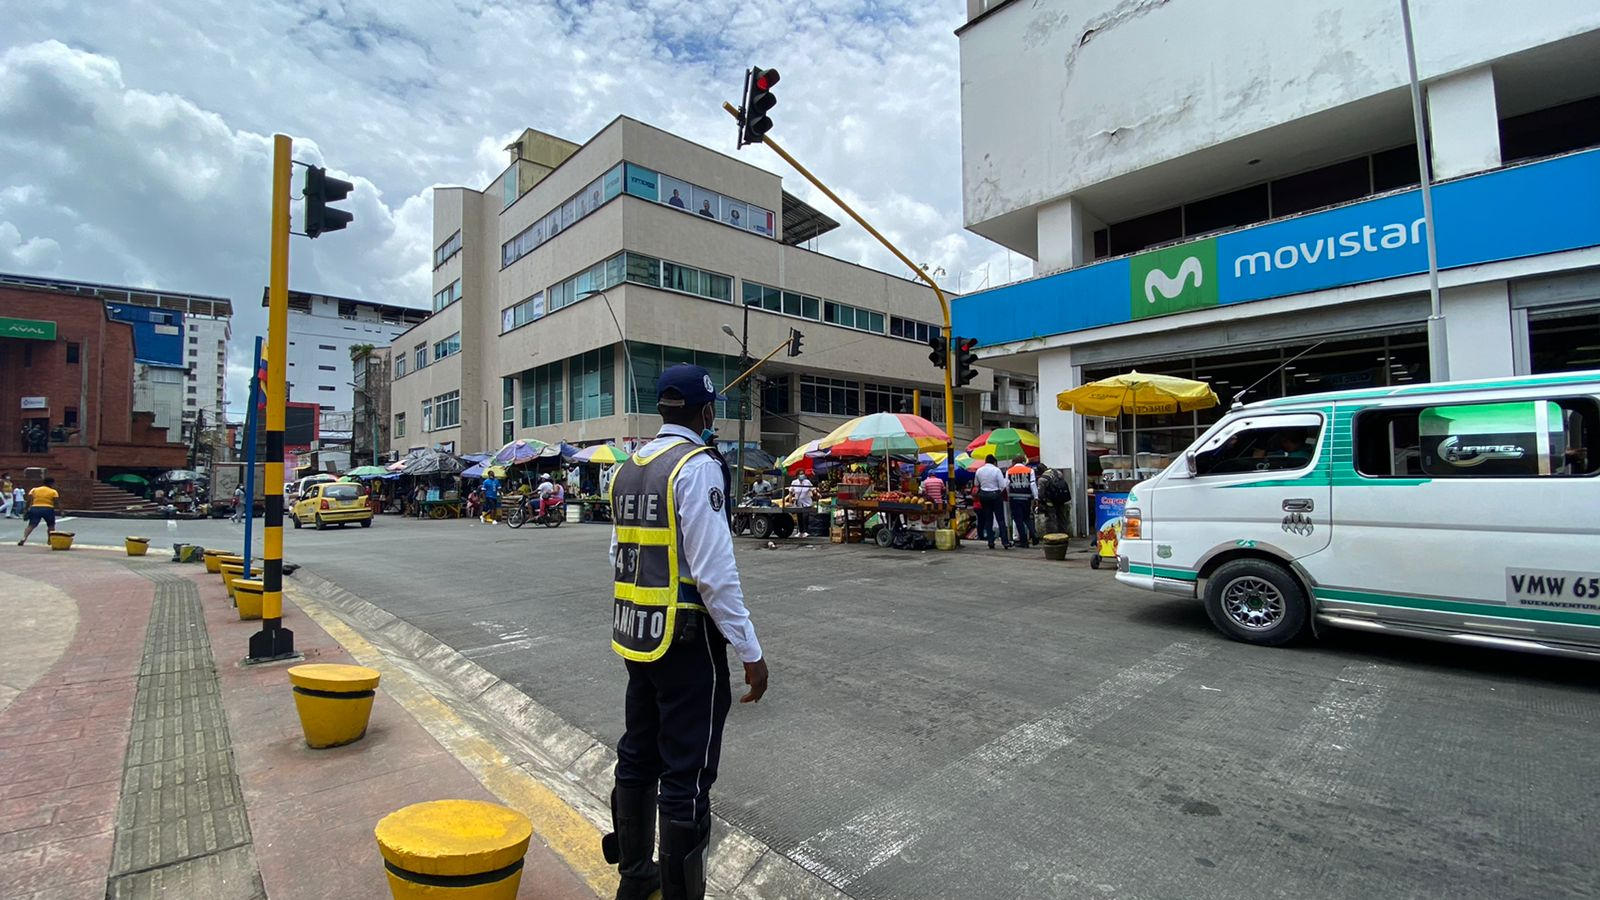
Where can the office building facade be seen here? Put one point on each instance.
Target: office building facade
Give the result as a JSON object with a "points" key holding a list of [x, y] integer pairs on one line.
{"points": [[564, 289], [1229, 191], [323, 332]]}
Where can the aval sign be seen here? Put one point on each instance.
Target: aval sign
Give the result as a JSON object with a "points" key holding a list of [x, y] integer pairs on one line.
{"points": [[28, 329], [1526, 210]]}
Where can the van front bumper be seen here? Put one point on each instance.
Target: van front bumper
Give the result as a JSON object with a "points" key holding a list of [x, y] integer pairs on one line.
{"points": [[1142, 577]]}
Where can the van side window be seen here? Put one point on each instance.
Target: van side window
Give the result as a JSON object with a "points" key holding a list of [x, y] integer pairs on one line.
{"points": [[1270, 448], [1507, 439]]}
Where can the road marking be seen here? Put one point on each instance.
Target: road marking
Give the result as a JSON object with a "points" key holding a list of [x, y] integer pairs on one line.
{"points": [[845, 853], [1318, 759], [563, 829]]}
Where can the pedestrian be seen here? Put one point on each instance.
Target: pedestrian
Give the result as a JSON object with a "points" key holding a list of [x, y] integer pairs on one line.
{"points": [[678, 605], [1023, 488], [805, 499], [42, 502], [238, 503], [933, 488], [6, 487], [761, 491], [491, 498], [1055, 493], [991, 485], [19, 501]]}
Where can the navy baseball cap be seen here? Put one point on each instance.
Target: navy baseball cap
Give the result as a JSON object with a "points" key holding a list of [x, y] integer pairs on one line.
{"points": [[692, 385]]}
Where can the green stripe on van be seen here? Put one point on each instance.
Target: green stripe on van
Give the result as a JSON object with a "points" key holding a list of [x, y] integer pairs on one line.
{"points": [[1457, 606], [1159, 572], [1420, 390]]}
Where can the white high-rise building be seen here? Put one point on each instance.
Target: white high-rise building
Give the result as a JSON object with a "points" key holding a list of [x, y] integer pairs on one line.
{"points": [[322, 329]]}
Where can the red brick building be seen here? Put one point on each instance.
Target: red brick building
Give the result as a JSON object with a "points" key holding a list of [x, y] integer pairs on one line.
{"points": [[66, 374]]}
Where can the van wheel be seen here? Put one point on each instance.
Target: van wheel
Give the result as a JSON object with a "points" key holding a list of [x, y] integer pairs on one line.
{"points": [[1257, 602]]}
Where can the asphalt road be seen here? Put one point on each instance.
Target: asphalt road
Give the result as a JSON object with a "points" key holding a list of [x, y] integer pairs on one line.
{"points": [[991, 725]]}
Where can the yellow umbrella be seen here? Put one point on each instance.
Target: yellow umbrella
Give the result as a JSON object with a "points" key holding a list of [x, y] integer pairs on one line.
{"points": [[1135, 393]]}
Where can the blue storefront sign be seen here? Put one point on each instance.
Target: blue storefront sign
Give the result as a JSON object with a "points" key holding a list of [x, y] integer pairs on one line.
{"points": [[1542, 207]]}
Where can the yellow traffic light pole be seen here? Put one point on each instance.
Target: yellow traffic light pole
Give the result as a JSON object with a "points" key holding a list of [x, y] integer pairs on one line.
{"points": [[944, 304], [274, 641]]}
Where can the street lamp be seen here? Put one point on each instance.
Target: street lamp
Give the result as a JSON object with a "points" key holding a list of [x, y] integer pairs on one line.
{"points": [[1438, 337], [633, 388]]}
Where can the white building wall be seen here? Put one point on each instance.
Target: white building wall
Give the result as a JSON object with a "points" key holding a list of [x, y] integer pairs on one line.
{"points": [[206, 355], [319, 351], [1478, 324]]}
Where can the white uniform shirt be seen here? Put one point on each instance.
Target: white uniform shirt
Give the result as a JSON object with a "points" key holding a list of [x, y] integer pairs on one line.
{"points": [[802, 491], [707, 545], [990, 478]]}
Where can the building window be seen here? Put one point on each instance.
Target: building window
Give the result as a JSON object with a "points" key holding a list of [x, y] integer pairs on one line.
{"points": [[912, 330], [829, 396], [399, 425], [541, 395], [69, 417], [73, 353], [847, 316], [326, 387], [427, 415], [450, 247], [933, 407], [650, 359], [775, 396], [193, 389], [328, 368], [449, 295], [699, 202], [589, 385], [887, 398], [447, 347], [527, 311], [400, 365], [420, 357], [326, 347], [194, 340], [596, 194], [447, 410]]}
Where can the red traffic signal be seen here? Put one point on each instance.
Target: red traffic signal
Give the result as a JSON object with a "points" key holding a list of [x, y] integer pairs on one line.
{"points": [[966, 361], [758, 98]]}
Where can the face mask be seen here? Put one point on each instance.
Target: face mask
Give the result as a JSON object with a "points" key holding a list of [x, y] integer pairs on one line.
{"points": [[708, 434]]}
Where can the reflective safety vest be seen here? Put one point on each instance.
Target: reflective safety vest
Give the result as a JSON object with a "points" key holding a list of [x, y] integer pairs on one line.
{"points": [[1019, 478], [648, 584]]}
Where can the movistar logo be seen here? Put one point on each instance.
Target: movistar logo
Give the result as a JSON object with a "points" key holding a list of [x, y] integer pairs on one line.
{"points": [[1174, 279], [1169, 287]]}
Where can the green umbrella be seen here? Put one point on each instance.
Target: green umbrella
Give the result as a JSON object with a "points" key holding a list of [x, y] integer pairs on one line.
{"points": [[368, 472], [126, 478]]}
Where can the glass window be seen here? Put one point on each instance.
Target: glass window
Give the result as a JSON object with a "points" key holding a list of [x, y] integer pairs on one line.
{"points": [[450, 247], [612, 182], [447, 410], [644, 269], [751, 292], [775, 396], [1479, 440], [761, 221], [643, 183], [400, 366], [615, 267], [72, 353], [874, 322], [791, 303], [569, 213], [399, 425], [676, 193], [590, 386], [1275, 444], [707, 204], [717, 287], [508, 188], [541, 395], [811, 308], [734, 213], [427, 415], [420, 354], [887, 398], [680, 278], [829, 396], [447, 347]]}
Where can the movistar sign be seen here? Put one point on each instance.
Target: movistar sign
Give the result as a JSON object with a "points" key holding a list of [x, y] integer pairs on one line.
{"points": [[27, 329], [1527, 210]]}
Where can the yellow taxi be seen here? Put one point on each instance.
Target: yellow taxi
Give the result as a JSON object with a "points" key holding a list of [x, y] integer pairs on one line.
{"points": [[337, 503]]}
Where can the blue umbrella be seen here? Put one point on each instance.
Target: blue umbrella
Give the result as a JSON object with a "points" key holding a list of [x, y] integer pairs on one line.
{"points": [[943, 471], [518, 452]]}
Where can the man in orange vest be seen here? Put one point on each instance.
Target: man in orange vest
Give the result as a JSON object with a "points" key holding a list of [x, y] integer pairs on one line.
{"points": [[1023, 488]]}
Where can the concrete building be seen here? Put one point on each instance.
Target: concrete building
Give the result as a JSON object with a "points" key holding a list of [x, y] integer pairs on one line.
{"points": [[322, 331], [1213, 189], [66, 382], [565, 287], [206, 328], [370, 422]]}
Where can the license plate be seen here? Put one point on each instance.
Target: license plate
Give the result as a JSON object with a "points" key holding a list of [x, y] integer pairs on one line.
{"points": [[1553, 589]]}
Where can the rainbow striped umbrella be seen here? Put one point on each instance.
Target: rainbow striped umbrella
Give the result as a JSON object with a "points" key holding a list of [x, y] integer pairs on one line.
{"points": [[603, 454], [884, 433], [1005, 443]]}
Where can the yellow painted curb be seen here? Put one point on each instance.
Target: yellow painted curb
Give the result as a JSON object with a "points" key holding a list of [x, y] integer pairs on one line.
{"points": [[560, 827]]}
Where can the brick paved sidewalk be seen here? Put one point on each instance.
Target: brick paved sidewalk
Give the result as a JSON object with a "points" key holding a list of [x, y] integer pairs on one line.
{"points": [[146, 762]]}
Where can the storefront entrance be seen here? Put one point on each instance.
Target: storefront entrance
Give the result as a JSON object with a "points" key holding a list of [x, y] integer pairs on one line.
{"points": [[1567, 341], [1337, 363]]}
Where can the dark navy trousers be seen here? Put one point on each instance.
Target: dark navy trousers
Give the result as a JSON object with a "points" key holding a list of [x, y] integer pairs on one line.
{"points": [[675, 710]]}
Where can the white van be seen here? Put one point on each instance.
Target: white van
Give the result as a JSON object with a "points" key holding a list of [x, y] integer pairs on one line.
{"points": [[1465, 511]]}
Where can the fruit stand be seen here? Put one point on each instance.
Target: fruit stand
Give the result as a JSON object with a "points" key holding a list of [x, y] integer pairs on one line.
{"points": [[902, 514]]}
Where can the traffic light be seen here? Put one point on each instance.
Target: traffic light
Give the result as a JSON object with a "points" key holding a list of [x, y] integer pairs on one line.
{"points": [[794, 342], [966, 361], [940, 357], [758, 98], [320, 190]]}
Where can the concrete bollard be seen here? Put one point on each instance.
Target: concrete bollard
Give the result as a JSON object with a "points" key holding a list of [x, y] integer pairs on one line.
{"points": [[454, 848], [137, 546], [232, 572], [186, 553], [213, 560], [334, 701], [61, 540], [247, 597]]}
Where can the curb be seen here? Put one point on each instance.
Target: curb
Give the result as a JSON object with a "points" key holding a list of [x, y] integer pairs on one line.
{"points": [[566, 760]]}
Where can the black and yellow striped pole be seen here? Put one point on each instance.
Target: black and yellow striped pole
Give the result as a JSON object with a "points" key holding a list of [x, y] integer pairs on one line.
{"points": [[274, 641]]}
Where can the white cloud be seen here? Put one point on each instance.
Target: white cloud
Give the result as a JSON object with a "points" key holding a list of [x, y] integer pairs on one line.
{"points": [[135, 138]]}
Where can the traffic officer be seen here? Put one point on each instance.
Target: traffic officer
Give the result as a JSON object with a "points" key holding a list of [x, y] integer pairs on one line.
{"points": [[1023, 488], [677, 606]]}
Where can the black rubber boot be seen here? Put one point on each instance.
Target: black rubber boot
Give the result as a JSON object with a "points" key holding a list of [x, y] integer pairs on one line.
{"points": [[683, 859], [633, 839]]}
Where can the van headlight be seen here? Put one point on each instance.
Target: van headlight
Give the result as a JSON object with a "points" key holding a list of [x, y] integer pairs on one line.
{"points": [[1132, 524]]}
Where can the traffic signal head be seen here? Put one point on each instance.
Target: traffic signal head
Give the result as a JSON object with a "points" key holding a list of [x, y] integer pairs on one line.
{"points": [[794, 342], [758, 98], [966, 361], [320, 190], [940, 357]]}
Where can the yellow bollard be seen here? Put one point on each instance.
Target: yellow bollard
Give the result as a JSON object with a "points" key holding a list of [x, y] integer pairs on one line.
{"points": [[464, 849], [247, 596], [61, 540], [334, 701], [232, 573], [137, 546], [213, 560]]}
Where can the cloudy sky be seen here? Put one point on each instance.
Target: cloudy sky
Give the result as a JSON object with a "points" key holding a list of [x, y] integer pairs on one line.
{"points": [[135, 138]]}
